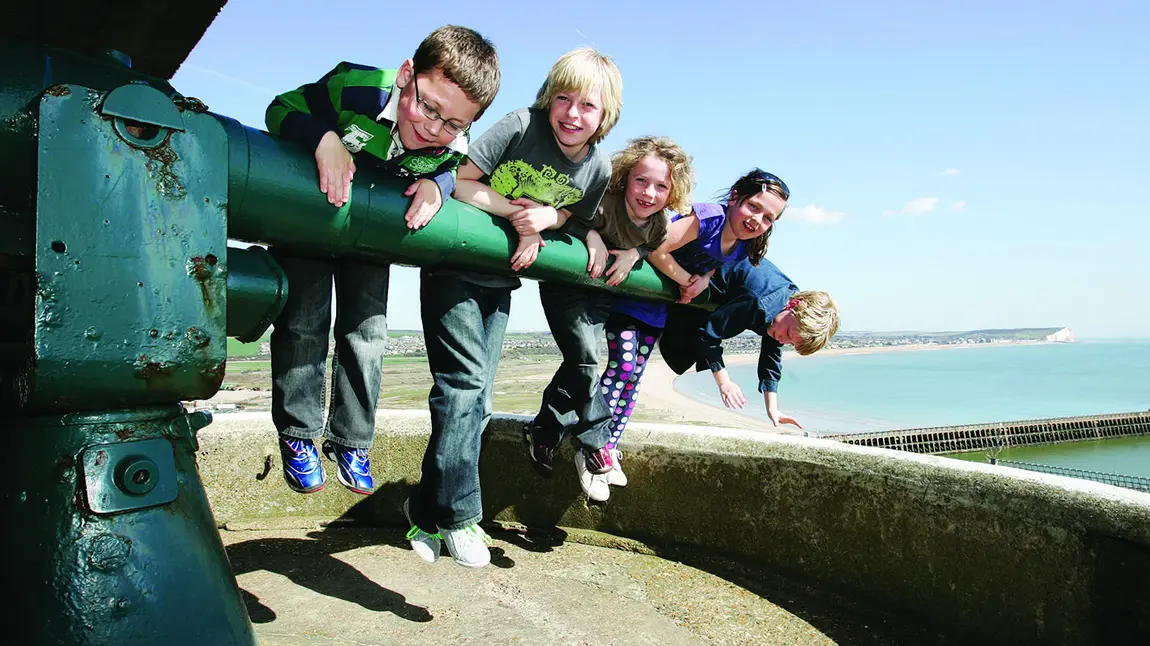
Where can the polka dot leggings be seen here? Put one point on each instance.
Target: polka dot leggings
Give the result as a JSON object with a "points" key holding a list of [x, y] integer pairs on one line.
{"points": [[628, 346]]}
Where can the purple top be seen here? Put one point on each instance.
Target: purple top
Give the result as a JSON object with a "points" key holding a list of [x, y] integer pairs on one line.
{"points": [[698, 256]]}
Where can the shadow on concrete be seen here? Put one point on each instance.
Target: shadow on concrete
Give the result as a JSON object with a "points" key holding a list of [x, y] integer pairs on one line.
{"points": [[309, 563], [845, 617], [538, 539]]}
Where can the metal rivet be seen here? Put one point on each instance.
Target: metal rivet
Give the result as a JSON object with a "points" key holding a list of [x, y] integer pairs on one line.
{"points": [[136, 475]]}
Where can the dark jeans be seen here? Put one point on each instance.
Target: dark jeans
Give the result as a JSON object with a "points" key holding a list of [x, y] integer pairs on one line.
{"points": [[463, 325], [300, 343], [680, 345], [572, 402]]}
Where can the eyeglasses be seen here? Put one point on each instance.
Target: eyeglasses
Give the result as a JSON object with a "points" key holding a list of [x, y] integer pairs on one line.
{"points": [[452, 127]]}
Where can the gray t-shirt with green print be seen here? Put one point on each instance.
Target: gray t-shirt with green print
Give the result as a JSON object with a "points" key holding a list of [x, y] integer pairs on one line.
{"points": [[520, 158]]}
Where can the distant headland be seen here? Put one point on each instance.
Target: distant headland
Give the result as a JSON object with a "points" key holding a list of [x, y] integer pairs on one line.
{"points": [[971, 337]]}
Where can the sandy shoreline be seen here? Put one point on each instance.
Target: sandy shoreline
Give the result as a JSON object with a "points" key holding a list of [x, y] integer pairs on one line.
{"points": [[661, 397]]}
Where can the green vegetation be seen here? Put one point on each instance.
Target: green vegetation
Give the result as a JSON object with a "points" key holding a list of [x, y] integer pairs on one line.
{"points": [[237, 349], [519, 383]]}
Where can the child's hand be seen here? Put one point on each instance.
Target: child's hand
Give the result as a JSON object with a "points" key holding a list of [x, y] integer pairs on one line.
{"points": [[778, 417], [596, 254], [336, 168], [425, 205], [624, 261], [692, 289], [527, 251], [532, 218], [732, 395]]}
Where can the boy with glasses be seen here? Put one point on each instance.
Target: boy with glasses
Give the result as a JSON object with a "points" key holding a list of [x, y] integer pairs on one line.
{"points": [[411, 123]]}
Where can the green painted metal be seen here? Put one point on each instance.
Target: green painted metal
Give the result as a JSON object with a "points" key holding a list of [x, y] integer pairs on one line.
{"points": [[83, 572], [130, 242], [127, 476], [257, 292], [112, 294], [28, 70], [273, 199], [142, 104], [31, 71]]}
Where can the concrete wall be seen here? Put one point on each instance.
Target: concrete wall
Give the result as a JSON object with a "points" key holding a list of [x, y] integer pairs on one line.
{"points": [[1007, 555]]}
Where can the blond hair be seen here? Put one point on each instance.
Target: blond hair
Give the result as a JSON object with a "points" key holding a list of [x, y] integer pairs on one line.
{"points": [[585, 70], [678, 166], [817, 317]]}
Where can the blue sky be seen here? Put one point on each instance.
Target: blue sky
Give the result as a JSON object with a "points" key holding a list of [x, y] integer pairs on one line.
{"points": [[953, 164]]}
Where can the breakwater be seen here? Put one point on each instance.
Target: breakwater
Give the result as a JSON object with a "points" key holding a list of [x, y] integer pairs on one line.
{"points": [[1116, 479], [996, 436]]}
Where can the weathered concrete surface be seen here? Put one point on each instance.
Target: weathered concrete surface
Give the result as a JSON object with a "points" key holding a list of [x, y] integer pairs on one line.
{"points": [[1000, 555], [356, 585]]}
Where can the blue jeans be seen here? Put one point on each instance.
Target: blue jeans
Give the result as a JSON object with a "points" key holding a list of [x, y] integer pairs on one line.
{"points": [[300, 343], [463, 325], [572, 403]]}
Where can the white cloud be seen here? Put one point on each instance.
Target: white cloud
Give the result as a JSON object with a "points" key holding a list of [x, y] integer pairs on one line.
{"points": [[814, 214], [917, 206], [950, 171], [957, 206]]}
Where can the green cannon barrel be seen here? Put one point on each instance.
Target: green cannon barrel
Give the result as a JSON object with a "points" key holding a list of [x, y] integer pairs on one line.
{"points": [[273, 198], [257, 292]]}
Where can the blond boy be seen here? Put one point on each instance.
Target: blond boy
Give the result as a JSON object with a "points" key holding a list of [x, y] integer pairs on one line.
{"points": [[760, 299], [541, 168]]}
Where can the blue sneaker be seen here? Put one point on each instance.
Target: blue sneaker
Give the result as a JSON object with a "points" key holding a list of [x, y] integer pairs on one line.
{"points": [[354, 467], [302, 469]]}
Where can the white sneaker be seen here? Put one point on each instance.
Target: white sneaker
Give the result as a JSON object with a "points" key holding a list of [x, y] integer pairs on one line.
{"points": [[616, 477], [468, 545], [427, 546], [594, 484]]}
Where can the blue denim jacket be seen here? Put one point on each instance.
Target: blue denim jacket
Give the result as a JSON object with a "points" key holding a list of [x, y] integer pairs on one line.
{"points": [[749, 298]]}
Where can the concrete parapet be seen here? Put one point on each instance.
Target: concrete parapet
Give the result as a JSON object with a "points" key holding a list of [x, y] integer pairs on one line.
{"points": [[998, 554]]}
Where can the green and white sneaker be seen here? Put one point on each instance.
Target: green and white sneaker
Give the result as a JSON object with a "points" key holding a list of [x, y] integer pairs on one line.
{"points": [[427, 546], [468, 545]]}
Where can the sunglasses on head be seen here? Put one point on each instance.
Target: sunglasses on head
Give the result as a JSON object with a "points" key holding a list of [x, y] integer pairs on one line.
{"points": [[770, 179]]}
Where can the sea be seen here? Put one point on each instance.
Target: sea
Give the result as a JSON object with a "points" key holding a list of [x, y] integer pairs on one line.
{"points": [[943, 385]]}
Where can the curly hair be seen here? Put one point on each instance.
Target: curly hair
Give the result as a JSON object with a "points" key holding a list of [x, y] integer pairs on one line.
{"points": [[664, 148]]}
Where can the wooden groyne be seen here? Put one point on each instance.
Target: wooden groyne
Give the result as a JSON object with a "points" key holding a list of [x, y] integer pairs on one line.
{"points": [[1001, 435]]}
